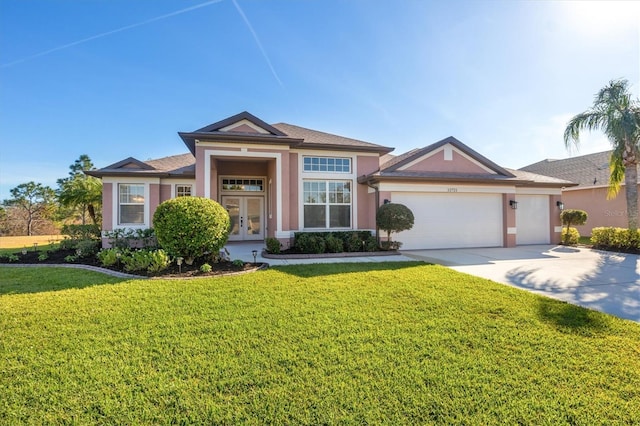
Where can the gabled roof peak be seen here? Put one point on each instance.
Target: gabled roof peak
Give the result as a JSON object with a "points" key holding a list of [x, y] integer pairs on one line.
{"points": [[223, 125]]}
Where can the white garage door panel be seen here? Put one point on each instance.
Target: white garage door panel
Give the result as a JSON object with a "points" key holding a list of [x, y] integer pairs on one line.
{"points": [[446, 220], [532, 219]]}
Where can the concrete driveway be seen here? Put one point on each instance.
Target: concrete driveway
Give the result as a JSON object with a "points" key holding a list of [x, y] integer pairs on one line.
{"points": [[604, 281]]}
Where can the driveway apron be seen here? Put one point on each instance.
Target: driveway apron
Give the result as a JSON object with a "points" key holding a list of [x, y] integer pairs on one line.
{"points": [[605, 281]]}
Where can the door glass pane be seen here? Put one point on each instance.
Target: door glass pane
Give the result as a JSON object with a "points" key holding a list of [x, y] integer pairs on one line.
{"points": [[254, 215], [232, 205]]}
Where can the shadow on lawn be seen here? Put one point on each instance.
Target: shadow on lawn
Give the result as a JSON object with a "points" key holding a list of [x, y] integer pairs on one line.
{"points": [[45, 279], [324, 269]]}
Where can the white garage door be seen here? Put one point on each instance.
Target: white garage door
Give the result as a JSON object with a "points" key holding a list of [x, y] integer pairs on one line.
{"points": [[532, 219], [445, 220]]}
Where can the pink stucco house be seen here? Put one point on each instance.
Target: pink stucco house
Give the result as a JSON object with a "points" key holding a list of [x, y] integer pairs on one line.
{"points": [[591, 174], [278, 179]]}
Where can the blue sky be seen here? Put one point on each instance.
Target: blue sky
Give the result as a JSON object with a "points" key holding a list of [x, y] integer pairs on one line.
{"points": [[120, 78]]}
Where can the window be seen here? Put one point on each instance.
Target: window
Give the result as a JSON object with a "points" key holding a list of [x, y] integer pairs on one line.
{"points": [[326, 164], [131, 203], [252, 185], [183, 191], [327, 204]]}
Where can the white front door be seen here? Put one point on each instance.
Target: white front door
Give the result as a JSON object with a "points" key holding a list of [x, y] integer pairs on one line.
{"points": [[247, 217]]}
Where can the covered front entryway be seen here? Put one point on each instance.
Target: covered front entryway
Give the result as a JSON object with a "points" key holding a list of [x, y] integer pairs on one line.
{"points": [[451, 220], [247, 217], [532, 220]]}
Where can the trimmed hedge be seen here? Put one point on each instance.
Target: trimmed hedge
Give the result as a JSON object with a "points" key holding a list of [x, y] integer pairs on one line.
{"points": [[334, 242], [615, 239]]}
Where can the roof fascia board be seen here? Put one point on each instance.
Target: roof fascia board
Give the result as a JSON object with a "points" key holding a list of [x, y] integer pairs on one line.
{"points": [[328, 147], [244, 115]]}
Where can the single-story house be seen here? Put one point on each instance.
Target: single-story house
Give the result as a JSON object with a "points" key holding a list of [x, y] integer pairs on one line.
{"points": [[278, 179], [591, 174]]}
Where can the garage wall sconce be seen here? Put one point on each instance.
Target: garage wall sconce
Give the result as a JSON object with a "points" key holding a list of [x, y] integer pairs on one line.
{"points": [[560, 205], [387, 201], [513, 204]]}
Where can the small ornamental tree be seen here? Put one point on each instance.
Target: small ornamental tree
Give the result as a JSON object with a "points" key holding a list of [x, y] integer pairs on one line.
{"points": [[394, 218], [191, 227], [572, 217]]}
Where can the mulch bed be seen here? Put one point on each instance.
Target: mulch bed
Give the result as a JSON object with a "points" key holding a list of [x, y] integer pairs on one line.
{"points": [[173, 271]]}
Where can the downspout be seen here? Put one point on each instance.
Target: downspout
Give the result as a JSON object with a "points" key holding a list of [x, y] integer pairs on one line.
{"points": [[377, 201]]}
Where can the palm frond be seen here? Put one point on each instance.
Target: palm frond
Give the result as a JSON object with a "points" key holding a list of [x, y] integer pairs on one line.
{"points": [[616, 174]]}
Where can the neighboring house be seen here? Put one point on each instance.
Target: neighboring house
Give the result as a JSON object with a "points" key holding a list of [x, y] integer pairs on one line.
{"points": [[275, 180], [591, 174]]}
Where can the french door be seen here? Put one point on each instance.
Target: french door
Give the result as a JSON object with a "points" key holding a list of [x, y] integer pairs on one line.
{"points": [[247, 217]]}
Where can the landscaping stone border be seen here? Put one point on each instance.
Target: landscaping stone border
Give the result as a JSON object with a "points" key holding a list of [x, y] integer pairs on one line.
{"points": [[122, 274]]}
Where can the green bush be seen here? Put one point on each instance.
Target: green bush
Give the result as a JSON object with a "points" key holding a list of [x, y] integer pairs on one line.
{"points": [[570, 237], [392, 217], [308, 242], [238, 263], [205, 268], [138, 260], [615, 238], [273, 245], [87, 248], [191, 227], [160, 261], [109, 257], [572, 217], [151, 261], [333, 244], [132, 238]]}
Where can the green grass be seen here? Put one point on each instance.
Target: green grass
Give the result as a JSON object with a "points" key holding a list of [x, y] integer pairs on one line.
{"points": [[393, 343], [585, 240]]}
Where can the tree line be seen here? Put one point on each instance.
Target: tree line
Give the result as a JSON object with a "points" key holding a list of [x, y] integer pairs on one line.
{"points": [[37, 209]]}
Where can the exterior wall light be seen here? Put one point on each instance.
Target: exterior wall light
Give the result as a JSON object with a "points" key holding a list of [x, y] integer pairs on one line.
{"points": [[560, 205], [513, 204], [386, 201]]}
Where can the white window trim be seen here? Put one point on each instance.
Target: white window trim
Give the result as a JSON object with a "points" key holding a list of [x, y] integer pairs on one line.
{"points": [[345, 157], [173, 182], [328, 205], [248, 193], [116, 206], [302, 176]]}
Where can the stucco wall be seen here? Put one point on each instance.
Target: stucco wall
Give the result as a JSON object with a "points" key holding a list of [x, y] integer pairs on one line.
{"points": [[437, 163], [601, 212]]}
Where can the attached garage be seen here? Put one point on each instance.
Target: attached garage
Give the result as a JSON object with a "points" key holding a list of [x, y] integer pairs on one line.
{"points": [[451, 220], [532, 220]]}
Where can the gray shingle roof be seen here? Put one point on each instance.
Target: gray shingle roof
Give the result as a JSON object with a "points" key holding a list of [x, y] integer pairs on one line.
{"points": [[585, 170], [181, 165], [316, 139]]}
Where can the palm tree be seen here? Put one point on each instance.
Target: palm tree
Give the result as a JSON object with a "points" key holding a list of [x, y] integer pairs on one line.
{"points": [[618, 117]]}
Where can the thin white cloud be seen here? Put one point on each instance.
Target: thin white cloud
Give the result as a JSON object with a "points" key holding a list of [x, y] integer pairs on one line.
{"points": [[255, 37], [108, 33]]}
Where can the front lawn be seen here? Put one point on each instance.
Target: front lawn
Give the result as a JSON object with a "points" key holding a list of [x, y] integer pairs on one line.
{"points": [[394, 343]]}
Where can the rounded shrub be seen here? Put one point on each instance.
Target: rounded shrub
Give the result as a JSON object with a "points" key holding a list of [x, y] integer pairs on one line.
{"points": [[191, 227], [392, 217], [568, 218], [570, 236]]}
